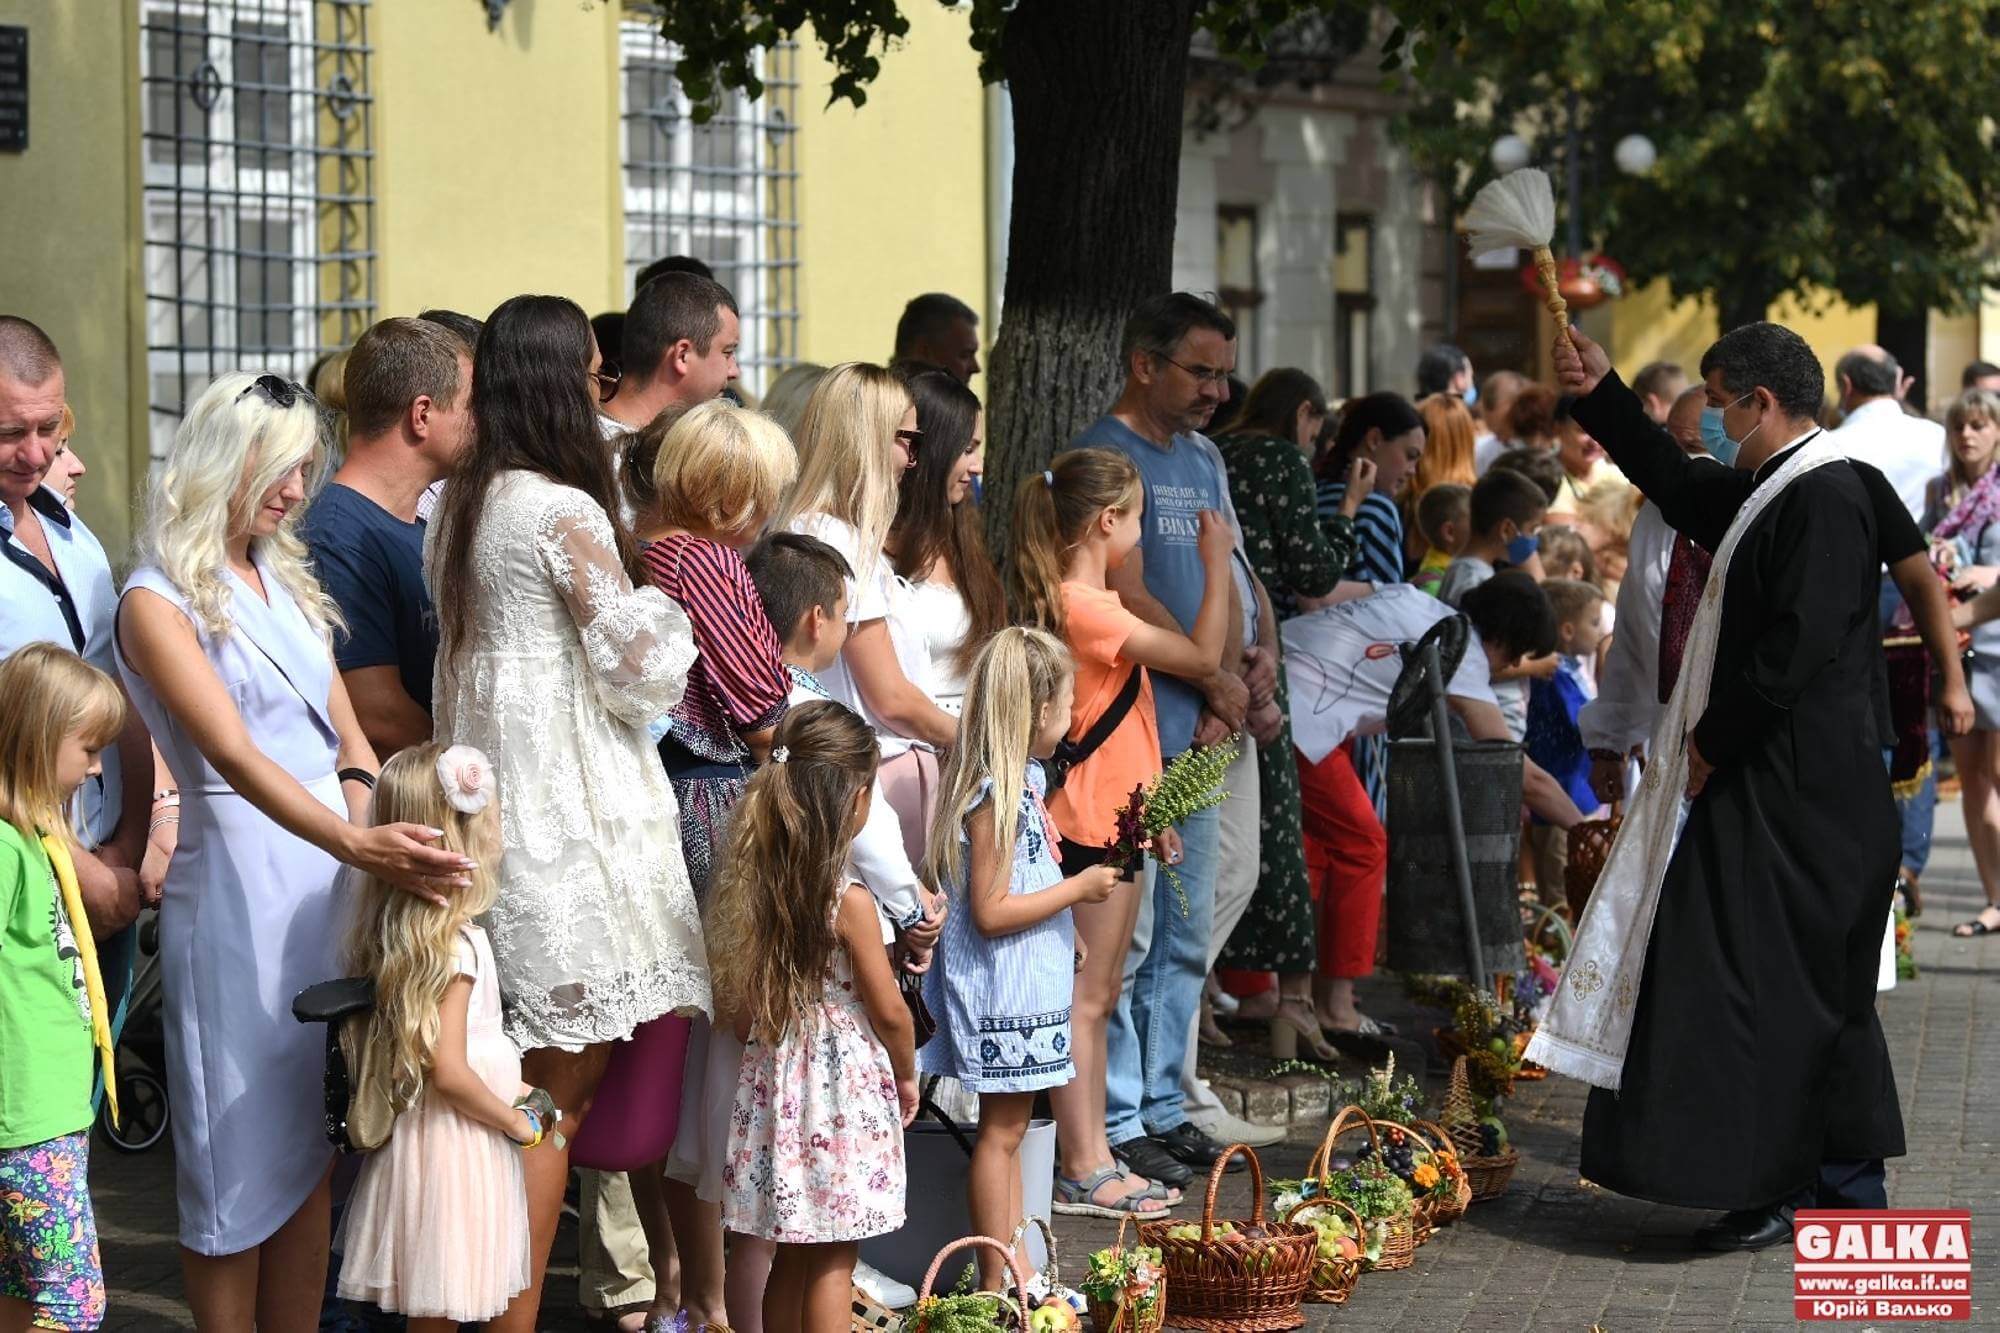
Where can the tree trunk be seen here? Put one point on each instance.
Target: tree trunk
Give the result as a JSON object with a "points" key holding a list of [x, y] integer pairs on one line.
{"points": [[1098, 88], [1907, 337], [1740, 303]]}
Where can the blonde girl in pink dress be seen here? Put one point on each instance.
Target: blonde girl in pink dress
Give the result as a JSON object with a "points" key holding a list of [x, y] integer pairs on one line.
{"points": [[437, 1226], [814, 1156]]}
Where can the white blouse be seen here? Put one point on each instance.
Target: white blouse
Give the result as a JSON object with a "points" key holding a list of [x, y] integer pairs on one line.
{"points": [[876, 592], [944, 621], [595, 928]]}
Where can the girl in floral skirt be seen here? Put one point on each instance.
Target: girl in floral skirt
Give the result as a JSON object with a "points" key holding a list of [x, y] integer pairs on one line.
{"points": [[814, 1158], [53, 1019]]}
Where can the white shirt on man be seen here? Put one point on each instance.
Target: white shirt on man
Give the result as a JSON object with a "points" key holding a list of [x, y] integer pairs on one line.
{"points": [[1344, 662], [1908, 450], [74, 609], [1628, 692]]}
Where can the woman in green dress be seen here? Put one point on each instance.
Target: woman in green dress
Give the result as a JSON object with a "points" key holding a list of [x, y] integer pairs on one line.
{"points": [[1300, 560]]}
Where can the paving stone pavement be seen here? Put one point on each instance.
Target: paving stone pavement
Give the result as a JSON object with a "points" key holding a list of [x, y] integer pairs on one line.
{"points": [[1551, 1254]]}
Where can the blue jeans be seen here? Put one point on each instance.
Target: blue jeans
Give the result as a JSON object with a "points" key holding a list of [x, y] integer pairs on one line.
{"points": [[1146, 1044]]}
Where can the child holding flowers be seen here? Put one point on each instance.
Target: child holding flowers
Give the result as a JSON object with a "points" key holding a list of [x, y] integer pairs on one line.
{"points": [[54, 1024], [1000, 986]]}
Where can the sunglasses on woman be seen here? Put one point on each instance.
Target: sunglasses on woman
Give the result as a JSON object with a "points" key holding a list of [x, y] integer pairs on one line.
{"points": [[911, 440], [607, 382]]}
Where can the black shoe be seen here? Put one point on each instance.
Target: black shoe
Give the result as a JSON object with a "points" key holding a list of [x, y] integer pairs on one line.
{"points": [[1196, 1149], [1149, 1157], [1747, 1229]]}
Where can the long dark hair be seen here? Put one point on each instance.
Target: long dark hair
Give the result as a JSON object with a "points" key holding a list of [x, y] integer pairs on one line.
{"points": [[928, 525], [1389, 413], [532, 409], [1272, 405]]}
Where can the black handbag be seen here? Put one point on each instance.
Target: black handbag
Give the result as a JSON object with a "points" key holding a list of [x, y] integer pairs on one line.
{"points": [[922, 1023], [360, 1111], [1070, 753]]}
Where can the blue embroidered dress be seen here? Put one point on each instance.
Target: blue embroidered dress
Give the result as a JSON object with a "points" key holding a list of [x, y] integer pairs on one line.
{"points": [[1002, 1003]]}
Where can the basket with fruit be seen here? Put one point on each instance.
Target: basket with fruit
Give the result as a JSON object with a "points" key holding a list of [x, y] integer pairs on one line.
{"points": [[1338, 1260], [1127, 1288], [1372, 1185], [1234, 1276], [967, 1311], [1483, 1150], [1450, 1193]]}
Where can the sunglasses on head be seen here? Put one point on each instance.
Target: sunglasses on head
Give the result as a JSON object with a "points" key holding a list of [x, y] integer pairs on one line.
{"points": [[283, 392]]}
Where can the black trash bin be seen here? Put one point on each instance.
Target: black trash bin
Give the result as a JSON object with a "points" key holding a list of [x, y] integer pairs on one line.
{"points": [[1426, 918]]}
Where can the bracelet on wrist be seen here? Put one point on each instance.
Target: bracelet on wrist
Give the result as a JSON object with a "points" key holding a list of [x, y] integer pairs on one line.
{"points": [[360, 775], [168, 797], [161, 821]]}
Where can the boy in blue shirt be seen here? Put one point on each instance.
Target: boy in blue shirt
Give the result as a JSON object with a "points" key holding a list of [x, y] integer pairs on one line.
{"points": [[1554, 739]]}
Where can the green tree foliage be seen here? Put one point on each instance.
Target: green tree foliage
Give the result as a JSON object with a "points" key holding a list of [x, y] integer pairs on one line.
{"points": [[1839, 145]]}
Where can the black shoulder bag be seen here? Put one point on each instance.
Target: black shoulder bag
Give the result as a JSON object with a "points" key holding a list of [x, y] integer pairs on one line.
{"points": [[1070, 753]]}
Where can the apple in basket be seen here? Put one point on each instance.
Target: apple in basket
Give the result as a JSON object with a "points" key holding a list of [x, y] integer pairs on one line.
{"points": [[1053, 1316]]}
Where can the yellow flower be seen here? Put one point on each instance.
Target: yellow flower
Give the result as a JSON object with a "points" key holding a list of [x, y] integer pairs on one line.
{"points": [[1425, 1175]]}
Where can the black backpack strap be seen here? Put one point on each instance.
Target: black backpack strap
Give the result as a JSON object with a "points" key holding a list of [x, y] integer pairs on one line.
{"points": [[1071, 753]]}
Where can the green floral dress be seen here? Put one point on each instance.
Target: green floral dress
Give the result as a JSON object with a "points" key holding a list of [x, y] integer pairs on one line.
{"points": [[1295, 555]]}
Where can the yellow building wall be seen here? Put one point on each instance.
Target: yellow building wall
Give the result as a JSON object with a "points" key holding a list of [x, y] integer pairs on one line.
{"points": [[68, 250], [1649, 325], [497, 155], [892, 197]]}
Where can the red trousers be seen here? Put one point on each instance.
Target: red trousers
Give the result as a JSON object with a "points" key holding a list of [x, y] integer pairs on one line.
{"points": [[1347, 859]]}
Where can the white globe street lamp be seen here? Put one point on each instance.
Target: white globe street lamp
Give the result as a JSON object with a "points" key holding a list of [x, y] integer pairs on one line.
{"points": [[1510, 153], [1634, 154]]}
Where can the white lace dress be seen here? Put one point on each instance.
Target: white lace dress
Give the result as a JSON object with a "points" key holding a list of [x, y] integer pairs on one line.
{"points": [[595, 929]]}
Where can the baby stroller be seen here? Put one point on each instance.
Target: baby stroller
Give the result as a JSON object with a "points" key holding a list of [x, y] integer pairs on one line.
{"points": [[138, 1035]]}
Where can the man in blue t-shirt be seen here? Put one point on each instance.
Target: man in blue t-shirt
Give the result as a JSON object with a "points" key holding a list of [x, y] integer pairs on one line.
{"points": [[1177, 351], [409, 400]]}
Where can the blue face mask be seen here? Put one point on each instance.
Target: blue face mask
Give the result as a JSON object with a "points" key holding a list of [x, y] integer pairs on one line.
{"points": [[1471, 395], [1522, 547], [1715, 438]]}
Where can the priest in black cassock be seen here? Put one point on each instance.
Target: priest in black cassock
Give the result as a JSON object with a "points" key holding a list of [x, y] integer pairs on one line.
{"points": [[1757, 1079]]}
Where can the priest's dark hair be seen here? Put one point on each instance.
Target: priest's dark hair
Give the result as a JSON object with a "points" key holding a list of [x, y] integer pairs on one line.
{"points": [[1158, 324], [1511, 609], [1772, 357]]}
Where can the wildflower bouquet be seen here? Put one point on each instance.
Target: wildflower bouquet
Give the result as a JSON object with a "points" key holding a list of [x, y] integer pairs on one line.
{"points": [[1190, 785], [1381, 1096]]}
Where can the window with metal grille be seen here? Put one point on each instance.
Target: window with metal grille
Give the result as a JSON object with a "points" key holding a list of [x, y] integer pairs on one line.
{"points": [[257, 151], [725, 191]]}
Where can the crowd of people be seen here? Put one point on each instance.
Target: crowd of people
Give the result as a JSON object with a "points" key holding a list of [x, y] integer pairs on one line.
{"points": [[673, 767]]}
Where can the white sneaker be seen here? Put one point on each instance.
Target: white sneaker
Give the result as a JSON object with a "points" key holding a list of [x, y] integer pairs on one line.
{"points": [[882, 1289], [1234, 1129]]}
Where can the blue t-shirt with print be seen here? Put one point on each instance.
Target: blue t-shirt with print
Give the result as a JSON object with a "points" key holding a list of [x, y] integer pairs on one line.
{"points": [[372, 564], [1181, 479]]}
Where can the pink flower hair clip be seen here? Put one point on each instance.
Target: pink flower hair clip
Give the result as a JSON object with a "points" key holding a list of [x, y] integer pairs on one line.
{"points": [[466, 775]]}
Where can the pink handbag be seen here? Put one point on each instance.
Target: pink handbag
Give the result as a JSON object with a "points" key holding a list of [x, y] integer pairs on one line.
{"points": [[637, 1109]]}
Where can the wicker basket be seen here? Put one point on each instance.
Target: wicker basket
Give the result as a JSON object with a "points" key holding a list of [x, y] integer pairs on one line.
{"points": [[1111, 1318], [1488, 1176], [1589, 843], [1398, 1231], [1332, 1279], [1235, 1283], [1450, 1205], [1015, 1306]]}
